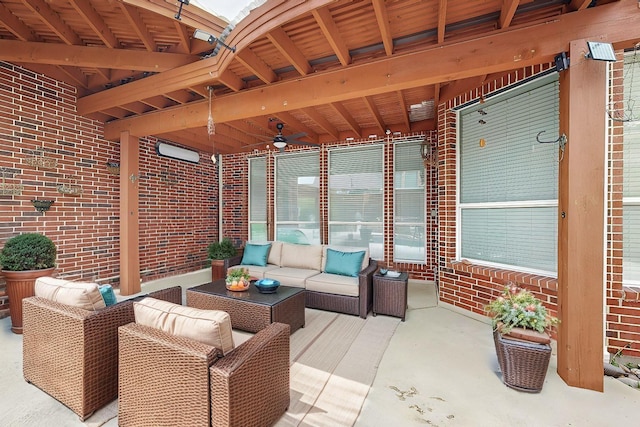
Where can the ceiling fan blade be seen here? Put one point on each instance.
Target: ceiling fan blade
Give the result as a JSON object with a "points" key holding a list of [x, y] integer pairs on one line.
{"points": [[296, 136]]}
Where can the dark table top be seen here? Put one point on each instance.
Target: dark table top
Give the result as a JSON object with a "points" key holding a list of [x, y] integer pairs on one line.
{"points": [[250, 295]]}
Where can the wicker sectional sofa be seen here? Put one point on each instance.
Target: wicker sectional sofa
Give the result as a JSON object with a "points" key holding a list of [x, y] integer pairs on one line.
{"points": [[313, 267]]}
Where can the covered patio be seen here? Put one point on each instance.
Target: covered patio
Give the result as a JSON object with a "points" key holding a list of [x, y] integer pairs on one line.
{"points": [[96, 87], [449, 376]]}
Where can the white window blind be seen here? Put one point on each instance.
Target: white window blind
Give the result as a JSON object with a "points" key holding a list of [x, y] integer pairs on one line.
{"points": [[297, 198], [631, 175], [258, 199], [409, 203], [355, 198], [508, 180]]}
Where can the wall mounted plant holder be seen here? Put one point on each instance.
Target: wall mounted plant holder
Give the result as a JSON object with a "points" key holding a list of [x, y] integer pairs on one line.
{"points": [[42, 205], [113, 168], [40, 160], [70, 189], [9, 189]]}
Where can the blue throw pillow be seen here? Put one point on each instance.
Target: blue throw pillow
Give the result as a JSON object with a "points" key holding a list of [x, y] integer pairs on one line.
{"points": [[255, 254], [108, 295], [344, 263]]}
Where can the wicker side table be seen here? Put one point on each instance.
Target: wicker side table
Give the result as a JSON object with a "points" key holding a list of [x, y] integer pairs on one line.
{"points": [[390, 295]]}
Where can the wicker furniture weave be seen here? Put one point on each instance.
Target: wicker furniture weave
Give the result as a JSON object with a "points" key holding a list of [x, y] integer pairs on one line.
{"points": [[72, 354], [390, 295], [167, 380], [358, 305], [250, 310], [523, 364]]}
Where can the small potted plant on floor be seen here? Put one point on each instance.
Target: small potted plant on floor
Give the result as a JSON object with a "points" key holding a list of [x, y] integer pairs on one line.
{"points": [[219, 253], [521, 326], [23, 259]]}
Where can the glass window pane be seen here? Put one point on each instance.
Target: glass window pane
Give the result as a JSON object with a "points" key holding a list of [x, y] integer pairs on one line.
{"points": [[258, 198], [521, 237], [297, 198], [355, 197]]}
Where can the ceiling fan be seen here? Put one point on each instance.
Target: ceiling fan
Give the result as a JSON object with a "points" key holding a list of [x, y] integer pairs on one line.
{"points": [[280, 141]]}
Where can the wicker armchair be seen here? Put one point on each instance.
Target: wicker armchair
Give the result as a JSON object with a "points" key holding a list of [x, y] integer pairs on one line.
{"points": [[72, 354], [166, 380]]}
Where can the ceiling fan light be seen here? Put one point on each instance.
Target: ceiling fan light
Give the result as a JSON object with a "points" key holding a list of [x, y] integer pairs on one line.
{"points": [[279, 144]]}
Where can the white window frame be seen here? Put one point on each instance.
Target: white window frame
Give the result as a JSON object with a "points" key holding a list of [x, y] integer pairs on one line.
{"points": [[396, 190], [252, 222]]}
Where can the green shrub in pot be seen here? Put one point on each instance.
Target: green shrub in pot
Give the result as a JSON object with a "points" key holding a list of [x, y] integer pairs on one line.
{"points": [[28, 251]]}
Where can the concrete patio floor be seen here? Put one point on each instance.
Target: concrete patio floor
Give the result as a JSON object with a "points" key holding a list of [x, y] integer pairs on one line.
{"points": [[440, 369]]}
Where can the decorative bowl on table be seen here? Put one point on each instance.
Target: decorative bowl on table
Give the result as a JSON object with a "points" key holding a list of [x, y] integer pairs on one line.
{"points": [[267, 286], [237, 280]]}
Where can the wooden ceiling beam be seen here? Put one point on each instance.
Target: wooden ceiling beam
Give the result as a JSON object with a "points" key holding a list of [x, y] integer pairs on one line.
{"points": [[383, 23], [507, 12], [76, 75], [184, 46], [52, 20], [255, 65], [579, 4], [342, 111], [330, 30], [191, 15], [91, 57], [95, 21], [230, 80], [442, 20], [377, 117], [289, 50], [513, 48], [321, 121], [405, 110], [268, 16], [15, 26], [136, 22]]}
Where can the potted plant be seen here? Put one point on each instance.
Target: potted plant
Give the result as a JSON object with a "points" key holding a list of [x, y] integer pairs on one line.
{"points": [[238, 279], [521, 326], [23, 259], [219, 253]]}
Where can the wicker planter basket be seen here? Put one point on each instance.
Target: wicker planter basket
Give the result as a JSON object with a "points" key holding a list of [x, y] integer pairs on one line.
{"points": [[523, 364]]}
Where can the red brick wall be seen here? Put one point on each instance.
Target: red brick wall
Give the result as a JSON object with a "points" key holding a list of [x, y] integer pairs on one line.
{"points": [[178, 203]]}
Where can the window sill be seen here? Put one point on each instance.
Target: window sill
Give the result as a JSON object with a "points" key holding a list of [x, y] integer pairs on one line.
{"points": [[544, 282], [631, 294]]}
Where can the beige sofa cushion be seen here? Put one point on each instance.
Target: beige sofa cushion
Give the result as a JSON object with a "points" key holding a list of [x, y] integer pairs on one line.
{"points": [[365, 260], [212, 327], [77, 294], [274, 253], [291, 276], [333, 284], [301, 256]]}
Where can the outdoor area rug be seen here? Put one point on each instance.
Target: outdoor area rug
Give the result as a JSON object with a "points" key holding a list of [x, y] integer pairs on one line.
{"points": [[334, 360]]}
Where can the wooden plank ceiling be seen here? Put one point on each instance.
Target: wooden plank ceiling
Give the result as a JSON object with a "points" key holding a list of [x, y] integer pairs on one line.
{"points": [[137, 68]]}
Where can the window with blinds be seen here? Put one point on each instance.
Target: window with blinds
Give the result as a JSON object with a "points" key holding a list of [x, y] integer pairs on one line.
{"points": [[297, 198], [355, 198], [258, 199], [508, 182], [631, 176], [409, 203]]}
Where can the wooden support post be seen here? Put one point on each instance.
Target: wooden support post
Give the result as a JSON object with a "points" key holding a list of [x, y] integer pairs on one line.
{"points": [[581, 222], [129, 216]]}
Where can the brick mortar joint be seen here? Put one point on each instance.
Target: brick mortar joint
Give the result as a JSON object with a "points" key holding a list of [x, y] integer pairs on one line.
{"points": [[544, 282]]}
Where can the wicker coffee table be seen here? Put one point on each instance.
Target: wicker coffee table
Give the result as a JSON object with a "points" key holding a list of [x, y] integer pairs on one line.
{"points": [[250, 310]]}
